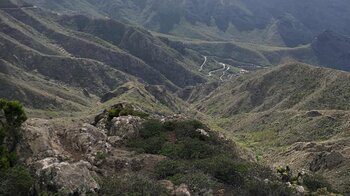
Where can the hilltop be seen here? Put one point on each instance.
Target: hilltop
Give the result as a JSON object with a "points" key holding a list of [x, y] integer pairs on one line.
{"points": [[292, 114]]}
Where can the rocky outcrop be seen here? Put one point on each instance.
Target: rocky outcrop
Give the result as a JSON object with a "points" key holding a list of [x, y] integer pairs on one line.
{"points": [[125, 127], [66, 178], [69, 157], [326, 160]]}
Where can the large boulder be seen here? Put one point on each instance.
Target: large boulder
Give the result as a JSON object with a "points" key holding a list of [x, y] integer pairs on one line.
{"points": [[40, 140], [126, 127], [86, 138], [67, 178]]}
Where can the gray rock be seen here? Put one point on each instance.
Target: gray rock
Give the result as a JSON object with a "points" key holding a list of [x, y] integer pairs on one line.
{"points": [[86, 138], [68, 178], [182, 190], [115, 141], [203, 132], [167, 184], [126, 127], [300, 189]]}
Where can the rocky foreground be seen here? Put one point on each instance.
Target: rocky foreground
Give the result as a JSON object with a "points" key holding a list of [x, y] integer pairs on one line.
{"points": [[120, 147], [70, 159]]}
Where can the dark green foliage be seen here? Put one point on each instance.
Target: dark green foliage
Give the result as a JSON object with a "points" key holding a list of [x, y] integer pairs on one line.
{"points": [[130, 185], [198, 182], [314, 182], [268, 189], [152, 145], [15, 181], [12, 115], [7, 159], [226, 169], [196, 149], [186, 128], [155, 138], [168, 168], [202, 161], [101, 156], [151, 128], [116, 112]]}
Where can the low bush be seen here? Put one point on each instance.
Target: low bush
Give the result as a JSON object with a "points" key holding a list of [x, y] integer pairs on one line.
{"points": [[202, 161], [151, 128], [225, 168], [116, 112], [198, 182], [168, 168], [315, 182], [15, 181], [101, 155], [267, 189], [134, 185], [152, 145]]}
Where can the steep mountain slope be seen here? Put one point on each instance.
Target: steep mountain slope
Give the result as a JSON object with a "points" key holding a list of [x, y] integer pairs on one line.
{"points": [[294, 114], [52, 56], [291, 86], [333, 49], [247, 34], [285, 23]]}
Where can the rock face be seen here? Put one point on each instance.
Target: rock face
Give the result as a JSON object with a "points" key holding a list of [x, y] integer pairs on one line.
{"points": [[68, 178], [126, 127], [71, 158]]}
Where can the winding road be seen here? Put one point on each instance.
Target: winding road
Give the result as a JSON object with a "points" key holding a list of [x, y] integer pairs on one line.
{"points": [[223, 68], [205, 61], [224, 72]]}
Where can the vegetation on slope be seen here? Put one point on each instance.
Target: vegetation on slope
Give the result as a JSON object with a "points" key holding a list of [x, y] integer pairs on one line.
{"points": [[289, 114], [201, 159], [14, 179]]}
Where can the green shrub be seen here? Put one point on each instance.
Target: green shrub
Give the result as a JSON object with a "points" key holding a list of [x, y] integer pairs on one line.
{"points": [[152, 145], [195, 149], [113, 113], [226, 169], [267, 189], [187, 129], [167, 168], [7, 159], [314, 182], [198, 182], [116, 112], [151, 128], [187, 149], [14, 113], [15, 181], [130, 185], [101, 155], [172, 150], [13, 118]]}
